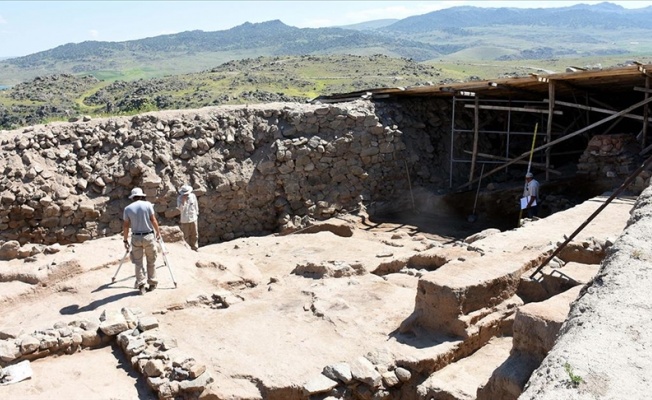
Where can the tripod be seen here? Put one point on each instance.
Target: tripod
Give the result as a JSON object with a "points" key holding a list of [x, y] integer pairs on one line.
{"points": [[164, 252]]}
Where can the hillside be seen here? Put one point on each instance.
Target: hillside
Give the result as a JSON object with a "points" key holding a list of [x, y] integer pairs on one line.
{"points": [[248, 81], [263, 79], [488, 34]]}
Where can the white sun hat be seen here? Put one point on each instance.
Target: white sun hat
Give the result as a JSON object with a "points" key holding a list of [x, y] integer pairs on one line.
{"points": [[185, 189], [135, 192]]}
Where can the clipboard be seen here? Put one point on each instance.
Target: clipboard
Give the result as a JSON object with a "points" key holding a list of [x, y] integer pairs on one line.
{"points": [[525, 201]]}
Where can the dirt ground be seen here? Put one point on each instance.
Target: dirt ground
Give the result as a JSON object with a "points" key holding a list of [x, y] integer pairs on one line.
{"points": [[105, 374], [288, 325]]}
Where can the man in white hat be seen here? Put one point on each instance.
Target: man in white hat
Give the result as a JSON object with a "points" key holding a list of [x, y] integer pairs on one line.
{"points": [[187, 205], [531, 193], [140, 217]]}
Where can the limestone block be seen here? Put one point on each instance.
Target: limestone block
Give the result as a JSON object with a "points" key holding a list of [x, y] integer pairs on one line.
{"points": [[339, 371], [154, 368], [49, 342], [29, 344], [90, 338], [196, 385], [168, 390], [319, 384], [135, 347], [195, 369], [403, 374], [114, 325], [10, 332], [155, 382], [147, 323], [64, 342], [364, 371], [9, 250], [390, 379], [130, 318], [76, 339], [9, 350]]}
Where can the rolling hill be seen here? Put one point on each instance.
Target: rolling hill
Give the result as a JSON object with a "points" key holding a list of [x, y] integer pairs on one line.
{"points": [[467, 32]]}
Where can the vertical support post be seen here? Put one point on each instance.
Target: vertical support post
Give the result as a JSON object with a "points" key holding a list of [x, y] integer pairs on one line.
{"points": [[646, 112], [450, 168], [476, 132], [509, 130], [551, 108]]}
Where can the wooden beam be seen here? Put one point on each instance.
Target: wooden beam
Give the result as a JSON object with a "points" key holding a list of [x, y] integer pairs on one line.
{"points": [[561, 139], [551, 113], [476, 134], [534, 164], [503, 108], [600, 110], [644, 90]]}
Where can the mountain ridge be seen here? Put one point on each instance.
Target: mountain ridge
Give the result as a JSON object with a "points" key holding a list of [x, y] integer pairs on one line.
{"points": [[580, 30]]}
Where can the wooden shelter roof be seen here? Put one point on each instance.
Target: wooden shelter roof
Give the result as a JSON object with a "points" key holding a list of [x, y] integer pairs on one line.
{"points": [[609, 82]]}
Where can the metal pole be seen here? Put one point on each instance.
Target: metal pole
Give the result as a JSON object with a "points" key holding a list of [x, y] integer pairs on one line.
{"points": [[120, 266], [595, 214], [164, 251]]}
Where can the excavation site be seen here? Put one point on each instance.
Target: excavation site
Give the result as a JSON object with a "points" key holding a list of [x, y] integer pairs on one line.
{"points": [[369, 245]]}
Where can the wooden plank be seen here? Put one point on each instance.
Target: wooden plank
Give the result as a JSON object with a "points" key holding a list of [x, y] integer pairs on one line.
{"points": [[534, 164], [476, 130], [503, 108], [644, 90]]}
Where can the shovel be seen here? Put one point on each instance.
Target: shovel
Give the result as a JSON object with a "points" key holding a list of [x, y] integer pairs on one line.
{"points": [[474, 217]]}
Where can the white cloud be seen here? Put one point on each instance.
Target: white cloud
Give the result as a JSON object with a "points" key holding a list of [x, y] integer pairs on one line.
{"points": [[94, 33], [2, 20], [395, 12]]}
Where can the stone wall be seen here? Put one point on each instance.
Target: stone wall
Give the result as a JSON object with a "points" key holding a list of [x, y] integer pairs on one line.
{"points": [[610, 156], [255, 169], [168, 371]]}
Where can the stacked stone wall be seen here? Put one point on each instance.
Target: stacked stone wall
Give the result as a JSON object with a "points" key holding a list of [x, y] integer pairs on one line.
{"points": [[255, 170]]}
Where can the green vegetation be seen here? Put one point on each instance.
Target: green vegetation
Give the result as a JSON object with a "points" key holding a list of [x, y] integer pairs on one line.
{"points": [[263, 79], [251, 80], [575, 379]]}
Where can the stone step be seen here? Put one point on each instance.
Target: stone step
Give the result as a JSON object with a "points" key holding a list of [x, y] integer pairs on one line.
{"points": [[460, 287], [536, 326], [460, 380]]}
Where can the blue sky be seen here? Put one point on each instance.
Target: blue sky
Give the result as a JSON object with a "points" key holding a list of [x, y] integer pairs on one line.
{"points": [[28, 27]]}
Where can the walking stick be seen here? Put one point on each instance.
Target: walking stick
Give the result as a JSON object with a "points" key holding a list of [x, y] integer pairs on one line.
{"points": [[164, 251], [120, 266]]}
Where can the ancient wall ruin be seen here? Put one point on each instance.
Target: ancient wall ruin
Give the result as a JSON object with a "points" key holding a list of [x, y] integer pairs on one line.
{"points": [[255, 169]]}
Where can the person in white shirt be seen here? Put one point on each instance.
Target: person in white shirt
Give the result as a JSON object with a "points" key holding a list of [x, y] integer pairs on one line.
{"points": [[187, 205], [531, 192]]}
